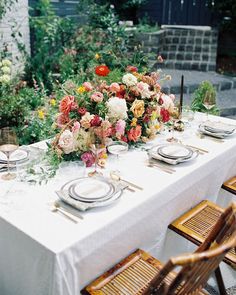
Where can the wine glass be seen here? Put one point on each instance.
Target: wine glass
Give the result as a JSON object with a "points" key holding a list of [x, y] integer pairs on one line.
{"points": [[209, 103], [8, 145], [175, 114], [97, 149], [117, 148], [187, 115]]}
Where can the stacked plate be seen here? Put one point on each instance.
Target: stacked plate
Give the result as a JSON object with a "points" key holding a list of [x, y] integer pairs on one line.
{"points": [[172, 153], [19, 156], [89, 192], [217, 129]]}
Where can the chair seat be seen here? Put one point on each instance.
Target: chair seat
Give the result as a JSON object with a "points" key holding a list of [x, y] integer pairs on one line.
{"points": [[230, 185], [196, 224], [129, 277]]}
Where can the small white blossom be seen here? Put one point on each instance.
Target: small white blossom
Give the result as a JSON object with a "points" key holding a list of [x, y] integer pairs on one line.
{"points": [[6, 62], [5, 79], [6, 70], [129, 80]]}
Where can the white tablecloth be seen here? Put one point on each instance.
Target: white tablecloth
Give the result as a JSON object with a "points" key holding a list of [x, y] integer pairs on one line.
{"points": [[42, 253]]}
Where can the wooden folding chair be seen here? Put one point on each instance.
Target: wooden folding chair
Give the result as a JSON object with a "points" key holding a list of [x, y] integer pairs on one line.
{"points": [[141, 273], [230, 185], [205, 224]]}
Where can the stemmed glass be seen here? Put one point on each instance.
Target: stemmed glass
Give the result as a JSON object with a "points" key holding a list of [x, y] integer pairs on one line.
{"points": [[209, 103], [8, 145], [117, 148], [174, 118], [97, 149]]}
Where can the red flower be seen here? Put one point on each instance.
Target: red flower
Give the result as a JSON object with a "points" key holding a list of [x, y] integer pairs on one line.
{"points": [[146, 118], [131, 69], [66, 104], [102, 70], [160, 101], [82, 111], [96, 121], [134, 133], [121, 93], [124, 138], [165, 115]]}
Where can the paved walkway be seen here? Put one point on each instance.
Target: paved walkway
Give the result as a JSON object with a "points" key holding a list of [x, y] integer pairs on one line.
{"points": [[225, 86]]}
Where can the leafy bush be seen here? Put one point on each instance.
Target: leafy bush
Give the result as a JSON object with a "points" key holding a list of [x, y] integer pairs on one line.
{"points": [[205, 90], [50, 35]]}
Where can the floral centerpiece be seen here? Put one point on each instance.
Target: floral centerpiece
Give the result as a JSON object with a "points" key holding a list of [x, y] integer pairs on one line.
{"points": [[131, 109]]}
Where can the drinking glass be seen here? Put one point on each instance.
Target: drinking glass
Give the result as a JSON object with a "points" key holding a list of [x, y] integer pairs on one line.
{"points": [[174, 118], [209, 103], [97, 149], [8, 145], [187, 115], [117, 148]]}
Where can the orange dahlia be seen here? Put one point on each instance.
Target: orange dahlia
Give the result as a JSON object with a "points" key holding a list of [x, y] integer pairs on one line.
{"points": [[102, 70]]}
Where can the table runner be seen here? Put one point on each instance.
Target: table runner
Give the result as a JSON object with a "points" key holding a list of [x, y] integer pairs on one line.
{"points": [[42, 253]]}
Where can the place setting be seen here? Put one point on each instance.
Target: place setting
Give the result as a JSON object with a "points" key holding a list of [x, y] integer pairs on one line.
{"points": [[216, 130], [172, 153]]}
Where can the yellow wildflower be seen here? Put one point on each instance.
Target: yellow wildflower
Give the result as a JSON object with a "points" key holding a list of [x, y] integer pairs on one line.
{"points": [[134, 122], [81, 89], [41, 114], [53, 102], [157, 126], [153, 116], [104, 156], [97, 56]]}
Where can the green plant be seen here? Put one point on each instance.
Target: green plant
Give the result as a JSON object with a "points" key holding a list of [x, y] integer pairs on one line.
{"points": [[51, 34], [205, 90]]}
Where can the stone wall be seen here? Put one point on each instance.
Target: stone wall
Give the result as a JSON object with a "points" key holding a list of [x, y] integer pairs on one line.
{"points": [[188, 48], [14, 21]]}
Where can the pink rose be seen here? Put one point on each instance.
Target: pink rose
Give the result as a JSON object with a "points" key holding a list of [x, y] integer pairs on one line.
{"points": [[120, 127], [88, 158], [88, 86], [97, 97], [76, 126], [114, 87], [62, 119]]}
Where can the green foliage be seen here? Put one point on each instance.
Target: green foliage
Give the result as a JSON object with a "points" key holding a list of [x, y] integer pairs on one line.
{"points": [[205, 91], [51, 34]]}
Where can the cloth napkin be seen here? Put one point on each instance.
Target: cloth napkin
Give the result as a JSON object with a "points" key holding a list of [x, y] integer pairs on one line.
{"points": [[82, 206]]}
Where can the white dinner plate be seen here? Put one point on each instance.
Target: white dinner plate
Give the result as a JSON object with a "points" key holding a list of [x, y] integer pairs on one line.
{"points": [[153, 152], [175, 151], [19, 155], [90, 189]]}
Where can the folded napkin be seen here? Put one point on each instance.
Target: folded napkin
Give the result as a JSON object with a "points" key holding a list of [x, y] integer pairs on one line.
{"points": [[219, 127], [82, 206]]}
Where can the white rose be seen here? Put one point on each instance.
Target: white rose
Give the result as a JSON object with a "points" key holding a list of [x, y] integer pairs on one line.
{"points": [[5, 79], [129, 80], [6, 70], [168, 103], [6, 62], [117, 108], [66, 142]]}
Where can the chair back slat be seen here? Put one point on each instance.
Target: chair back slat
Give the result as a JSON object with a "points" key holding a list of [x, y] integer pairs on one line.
{"points": [[197, 267]]}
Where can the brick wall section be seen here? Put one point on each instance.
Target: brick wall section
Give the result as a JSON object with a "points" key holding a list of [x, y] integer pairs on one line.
{"points": [[187, 49], [17, 19]]}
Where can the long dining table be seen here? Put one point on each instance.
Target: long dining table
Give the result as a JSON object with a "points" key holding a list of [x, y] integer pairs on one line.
{"points": [[43, 253]]}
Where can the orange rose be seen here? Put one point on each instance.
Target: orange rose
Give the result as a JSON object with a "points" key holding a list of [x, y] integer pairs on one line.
{"points": [[66, 104], [134, 133]]}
